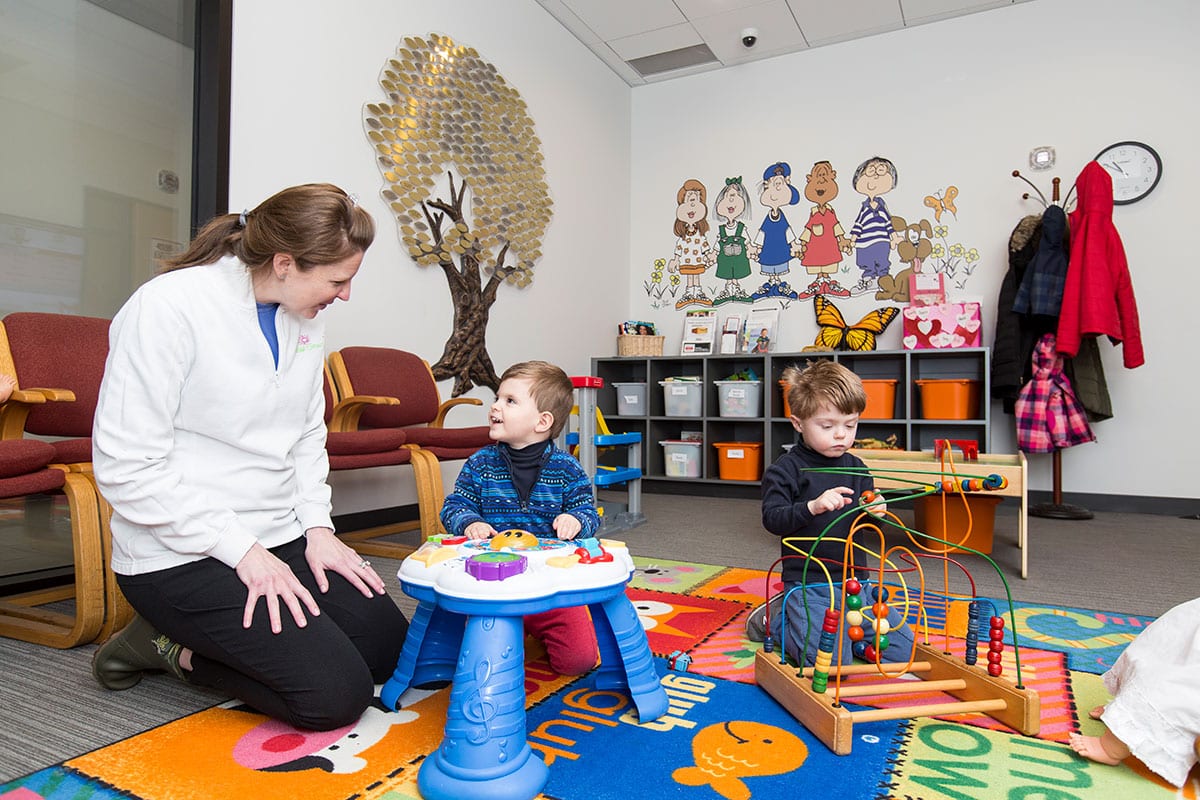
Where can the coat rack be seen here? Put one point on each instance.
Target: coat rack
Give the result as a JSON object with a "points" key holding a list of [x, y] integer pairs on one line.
{"points": [[1056, 508]]}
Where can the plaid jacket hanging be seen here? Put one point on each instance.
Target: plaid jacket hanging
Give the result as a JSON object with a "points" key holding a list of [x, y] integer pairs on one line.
{"points": [[1049, 416]]}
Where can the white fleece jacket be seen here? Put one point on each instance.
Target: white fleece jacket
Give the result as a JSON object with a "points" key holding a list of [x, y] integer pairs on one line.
{"points": [[200, 443]]}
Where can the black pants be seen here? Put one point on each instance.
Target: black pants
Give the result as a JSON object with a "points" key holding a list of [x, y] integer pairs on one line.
{"points": [[318, 677]]}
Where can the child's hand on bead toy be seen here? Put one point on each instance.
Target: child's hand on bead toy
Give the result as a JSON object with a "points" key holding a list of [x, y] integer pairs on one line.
{"points": [[830, 500], [479, 530], [867, 498], [567, 526]]}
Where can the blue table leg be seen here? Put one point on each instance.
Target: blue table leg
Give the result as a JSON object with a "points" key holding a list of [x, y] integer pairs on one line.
{"points": [[485, 737], [626, 662], [430, 651]]}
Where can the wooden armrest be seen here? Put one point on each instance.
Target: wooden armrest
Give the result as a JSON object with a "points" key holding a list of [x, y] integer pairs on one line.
{"points": [[440, 420], [347, 411], [15, 410]]}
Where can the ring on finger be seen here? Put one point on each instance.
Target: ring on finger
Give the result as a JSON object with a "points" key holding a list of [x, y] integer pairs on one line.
{"points": [[364, 564]]}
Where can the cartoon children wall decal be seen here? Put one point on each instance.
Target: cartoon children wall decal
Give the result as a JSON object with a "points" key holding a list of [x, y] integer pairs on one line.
{"points": [[872, 233], [823, 241], [776, 239], [693, 253], [732, 206]]}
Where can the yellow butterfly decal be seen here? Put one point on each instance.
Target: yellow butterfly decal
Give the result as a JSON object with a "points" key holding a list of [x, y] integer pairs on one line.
{"points": [[943, 203], [834, 334]]}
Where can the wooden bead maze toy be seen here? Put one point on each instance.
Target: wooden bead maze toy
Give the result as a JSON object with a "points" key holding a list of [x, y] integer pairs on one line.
{"points": [[816, 695]]}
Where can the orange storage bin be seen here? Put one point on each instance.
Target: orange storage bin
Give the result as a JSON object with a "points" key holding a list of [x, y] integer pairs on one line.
{"points": [[881, 399], [783, 390], [950, 523], [739, 461], [950, 398]]}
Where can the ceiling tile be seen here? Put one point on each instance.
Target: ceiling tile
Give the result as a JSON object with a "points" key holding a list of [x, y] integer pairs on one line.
{"points": [[823, 22], [694, 9], [777, 32], [660, 40], [919, 11], [569, 20], [614, 19]]}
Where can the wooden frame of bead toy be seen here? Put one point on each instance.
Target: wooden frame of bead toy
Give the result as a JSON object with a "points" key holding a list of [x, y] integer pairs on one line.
{"points": [[814, 695]]}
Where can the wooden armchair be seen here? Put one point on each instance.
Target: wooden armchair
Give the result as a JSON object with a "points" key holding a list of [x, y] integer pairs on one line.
{"points": [[26, 475], [350, 448], [58, 362], [421, 412]]}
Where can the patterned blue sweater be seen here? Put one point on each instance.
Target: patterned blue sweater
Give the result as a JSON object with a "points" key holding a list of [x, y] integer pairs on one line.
{"points": [[485, 491]]}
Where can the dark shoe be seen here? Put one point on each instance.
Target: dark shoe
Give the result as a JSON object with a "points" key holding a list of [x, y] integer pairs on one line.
{"points": [[120, 662], [756, 623]]}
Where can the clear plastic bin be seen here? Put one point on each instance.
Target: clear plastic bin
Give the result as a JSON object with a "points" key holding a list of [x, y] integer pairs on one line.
{"points": [[631, 399], [682, 398], [681, 459], [739, 398]]}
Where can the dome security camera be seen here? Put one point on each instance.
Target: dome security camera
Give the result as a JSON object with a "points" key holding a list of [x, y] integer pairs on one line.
{"points": [[749, 37]]}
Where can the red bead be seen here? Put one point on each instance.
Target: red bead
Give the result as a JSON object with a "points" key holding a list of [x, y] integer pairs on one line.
{"points": [[853, 586], [995, 656], [997, 623], [995, 670], [996, 647], [870, 655], [869, 497], [996, 635]]}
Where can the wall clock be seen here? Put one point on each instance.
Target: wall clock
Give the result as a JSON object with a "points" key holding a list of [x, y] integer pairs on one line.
{"points": [[1135, 168]]}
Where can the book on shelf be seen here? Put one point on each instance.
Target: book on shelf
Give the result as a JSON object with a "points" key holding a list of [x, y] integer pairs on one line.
{"points": [[760, 331], [699, 333]]}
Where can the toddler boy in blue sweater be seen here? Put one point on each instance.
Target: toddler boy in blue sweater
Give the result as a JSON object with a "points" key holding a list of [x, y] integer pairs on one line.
{"points": [[524, 481]]}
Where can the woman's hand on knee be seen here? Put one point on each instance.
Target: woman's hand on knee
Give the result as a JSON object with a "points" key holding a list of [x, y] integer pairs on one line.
{"points": [[267, 577], [325, 551]]}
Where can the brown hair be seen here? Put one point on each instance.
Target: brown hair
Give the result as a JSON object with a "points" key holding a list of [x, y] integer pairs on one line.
{"points": [[823, 383], [315, 223], [550, 389], [692, 185]]}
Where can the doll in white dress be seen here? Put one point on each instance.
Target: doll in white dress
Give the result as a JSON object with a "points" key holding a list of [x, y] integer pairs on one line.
{"points": [[1155, 711]]}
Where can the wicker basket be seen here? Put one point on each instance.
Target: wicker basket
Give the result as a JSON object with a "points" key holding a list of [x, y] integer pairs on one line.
{"points": [[639, 345]]}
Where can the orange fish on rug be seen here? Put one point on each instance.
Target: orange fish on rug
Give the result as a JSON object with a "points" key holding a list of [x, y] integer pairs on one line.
{"points": [[729, 751]]}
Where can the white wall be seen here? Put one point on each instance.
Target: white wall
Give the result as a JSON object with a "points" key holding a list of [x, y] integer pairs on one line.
{"points": [[962, 102], [302, 72]]}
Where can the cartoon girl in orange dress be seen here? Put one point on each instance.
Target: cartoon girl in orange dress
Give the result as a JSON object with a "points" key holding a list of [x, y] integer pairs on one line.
{"points": [[693, 254]]}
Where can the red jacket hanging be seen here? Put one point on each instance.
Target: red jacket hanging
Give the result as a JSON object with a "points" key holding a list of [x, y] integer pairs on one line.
{"points": [[1098, 294]]}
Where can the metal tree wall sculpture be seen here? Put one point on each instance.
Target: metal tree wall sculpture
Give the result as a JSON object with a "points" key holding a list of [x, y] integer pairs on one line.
{"points": [[449, 112]]}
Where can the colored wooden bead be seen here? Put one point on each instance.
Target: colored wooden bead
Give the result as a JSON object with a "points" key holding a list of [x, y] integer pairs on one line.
{"points": [[870, 654], [995, 670], [859, 649], [882, 625], [854, 618], [882, 642], [996, 634], [853, 602], [879, 593], [856, 633], [869, 497], [997, 622], [994, 657], [996, 647], [853, 586], [880, 610]]}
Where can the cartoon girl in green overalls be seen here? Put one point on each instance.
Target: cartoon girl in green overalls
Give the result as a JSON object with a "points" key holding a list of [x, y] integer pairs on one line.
{"points": [[733, 249]]}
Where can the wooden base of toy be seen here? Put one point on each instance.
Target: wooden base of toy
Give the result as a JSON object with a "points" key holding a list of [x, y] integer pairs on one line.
{"points": [[972, 687]]}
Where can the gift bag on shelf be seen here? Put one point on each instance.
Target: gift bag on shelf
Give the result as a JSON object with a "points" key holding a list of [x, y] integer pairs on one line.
{"points": [[942, 326]]}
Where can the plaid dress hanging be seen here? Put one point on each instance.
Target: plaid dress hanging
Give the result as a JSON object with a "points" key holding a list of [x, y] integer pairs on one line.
{"points": [[1049, 415]]}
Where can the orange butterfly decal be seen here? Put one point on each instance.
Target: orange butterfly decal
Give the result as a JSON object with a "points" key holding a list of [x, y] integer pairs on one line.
{"points": [[943, 203], [835, 334]]}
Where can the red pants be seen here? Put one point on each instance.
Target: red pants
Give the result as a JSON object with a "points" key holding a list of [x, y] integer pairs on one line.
{"points": [[568, 636]]}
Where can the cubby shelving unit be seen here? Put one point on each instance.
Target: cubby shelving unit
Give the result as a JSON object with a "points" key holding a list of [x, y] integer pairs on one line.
{"points": [[773, 429]]}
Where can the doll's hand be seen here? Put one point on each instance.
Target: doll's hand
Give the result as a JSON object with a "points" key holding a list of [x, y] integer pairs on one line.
{"points": [[479, 530], [830, 500], [567, 526]]}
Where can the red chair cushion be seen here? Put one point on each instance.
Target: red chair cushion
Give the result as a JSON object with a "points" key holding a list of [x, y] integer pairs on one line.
{"points": [[39, 482], [387, 372], [22, 456], [352, 443], [59, 351], [72, 451], [364, 460], [458, 438]]}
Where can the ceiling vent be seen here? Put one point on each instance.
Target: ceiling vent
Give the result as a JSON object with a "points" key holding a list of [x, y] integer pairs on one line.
{"points": [[672, 60]]}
